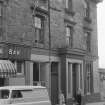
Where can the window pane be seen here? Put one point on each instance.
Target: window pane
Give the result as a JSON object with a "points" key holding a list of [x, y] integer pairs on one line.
{"points": [[0, 9], [19, 69], [37, 22], [16, 94], [4, 94], [39, 29], [69, 36], [67, 31], [87, 9], [66, 3], [70, 4], [87, 41]]}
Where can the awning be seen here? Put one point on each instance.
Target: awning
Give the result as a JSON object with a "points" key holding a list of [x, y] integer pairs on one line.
{"points": [[7, 69]]}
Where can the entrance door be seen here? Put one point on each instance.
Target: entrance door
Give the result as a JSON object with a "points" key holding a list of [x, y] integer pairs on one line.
{"points": [[74, 80], [35, 73], [54, 83]]}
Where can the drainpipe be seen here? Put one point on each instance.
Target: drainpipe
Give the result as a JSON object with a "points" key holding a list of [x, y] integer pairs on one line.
{"points": [[49, 48]]}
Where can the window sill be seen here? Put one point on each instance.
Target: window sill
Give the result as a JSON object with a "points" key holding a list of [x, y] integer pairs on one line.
{"points": [[87, 19], [71, 12]]}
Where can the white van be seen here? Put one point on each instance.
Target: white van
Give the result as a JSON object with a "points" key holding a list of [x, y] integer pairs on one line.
{"points": [[24, 95]]}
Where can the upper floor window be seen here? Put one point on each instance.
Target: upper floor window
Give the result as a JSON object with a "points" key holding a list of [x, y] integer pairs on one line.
{"points": [[39, 29], [87, 10], [88, 41], [1, 13], [69, 36], [69, 5], [1, 8]]}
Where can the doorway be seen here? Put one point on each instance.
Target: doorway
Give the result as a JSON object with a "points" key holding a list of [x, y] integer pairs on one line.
{"points": [[54, 83], [40, 74], [35, 72], [74, 79]]}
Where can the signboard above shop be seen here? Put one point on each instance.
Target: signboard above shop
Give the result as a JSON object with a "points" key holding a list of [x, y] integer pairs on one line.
{"points": [[18, 52], [15, 52]]}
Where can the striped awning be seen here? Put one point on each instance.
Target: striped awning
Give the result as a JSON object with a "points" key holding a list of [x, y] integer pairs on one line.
{"points": [[7, 69]]}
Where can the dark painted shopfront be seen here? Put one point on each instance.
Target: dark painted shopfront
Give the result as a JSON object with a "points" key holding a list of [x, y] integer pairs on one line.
{"points": [[13, 59]]}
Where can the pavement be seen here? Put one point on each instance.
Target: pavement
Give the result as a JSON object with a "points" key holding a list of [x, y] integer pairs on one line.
{"points": [[97, 103]]}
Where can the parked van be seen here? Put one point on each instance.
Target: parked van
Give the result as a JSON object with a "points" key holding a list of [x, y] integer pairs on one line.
{"points": [[24, 95]]}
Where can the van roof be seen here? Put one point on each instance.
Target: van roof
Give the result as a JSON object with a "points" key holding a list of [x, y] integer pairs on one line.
{"points": [[22, 87]]}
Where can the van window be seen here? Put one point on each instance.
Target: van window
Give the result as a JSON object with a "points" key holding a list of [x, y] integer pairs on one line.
{"points": [[16, 94], [4, 94], [27, 93]]}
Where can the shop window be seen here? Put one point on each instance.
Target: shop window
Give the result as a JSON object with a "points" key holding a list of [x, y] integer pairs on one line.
{"points": [[39, 73], [39, 29], [89, 79], [87, 41], [19, 66], [69, 36]]}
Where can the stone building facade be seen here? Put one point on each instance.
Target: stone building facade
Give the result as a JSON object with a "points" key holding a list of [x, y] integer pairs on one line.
{"points": [[102, 82], [63, 58]]}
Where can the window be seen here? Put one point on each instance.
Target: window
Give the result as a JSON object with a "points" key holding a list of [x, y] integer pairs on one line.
{"points": [[19, 66], [69, 4], [69, 32], [87, 9], [89, 80], [4, 94], [88, 41], [1, 8], [1, 31], [39, 29], [16, 94], [39, 73]]}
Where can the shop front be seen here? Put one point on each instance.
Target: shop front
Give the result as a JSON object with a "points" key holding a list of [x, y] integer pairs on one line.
{"points": [[13, 60], [45, 73]]}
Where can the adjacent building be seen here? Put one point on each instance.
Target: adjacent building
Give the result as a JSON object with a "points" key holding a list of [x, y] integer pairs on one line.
{"points": [[102, 82], [64, 57]]}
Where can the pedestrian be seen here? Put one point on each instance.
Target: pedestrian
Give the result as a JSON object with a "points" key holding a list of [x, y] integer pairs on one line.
{"points": [[79, 97], [62, 99]]}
